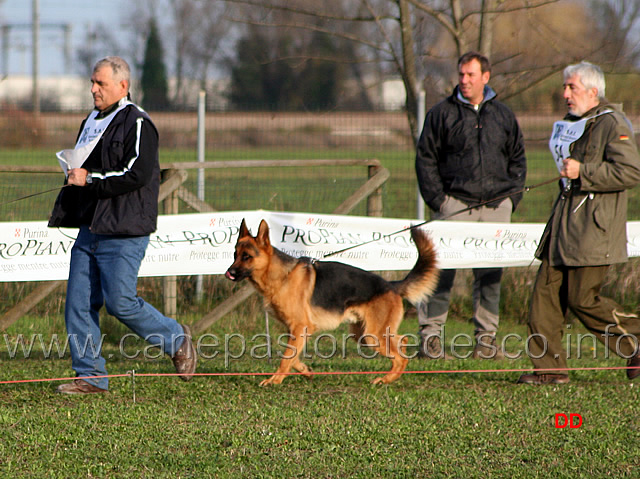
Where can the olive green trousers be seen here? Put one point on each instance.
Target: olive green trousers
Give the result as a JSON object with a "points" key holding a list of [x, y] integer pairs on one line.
{"points": [[560, 289]]}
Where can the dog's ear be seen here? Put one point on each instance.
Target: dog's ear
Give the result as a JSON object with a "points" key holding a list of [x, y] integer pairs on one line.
{"points": [[244, 231], [263, 234]]}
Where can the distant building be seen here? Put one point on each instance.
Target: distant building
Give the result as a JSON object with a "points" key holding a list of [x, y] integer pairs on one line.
{"points": [[394, 94], [72, 93], [56, 93]]}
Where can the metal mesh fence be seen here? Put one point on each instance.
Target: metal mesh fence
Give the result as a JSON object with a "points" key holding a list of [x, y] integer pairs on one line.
{"points": [[32, 142], [28, 168]]}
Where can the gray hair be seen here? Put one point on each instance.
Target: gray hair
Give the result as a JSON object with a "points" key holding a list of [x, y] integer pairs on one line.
{"points": [[120, 68], [590, 75]]}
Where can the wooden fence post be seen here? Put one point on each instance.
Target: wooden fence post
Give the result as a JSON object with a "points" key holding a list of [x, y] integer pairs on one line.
{"points": [[23, 307], [171, 207], [374, 200]]}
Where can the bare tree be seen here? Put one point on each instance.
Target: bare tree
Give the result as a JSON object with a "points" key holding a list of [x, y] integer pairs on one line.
{"points": [[184, 18], [98, 43], [619, 20], [392, 33], [193, 32], [199, 29], [417, 40], [136, 21]]}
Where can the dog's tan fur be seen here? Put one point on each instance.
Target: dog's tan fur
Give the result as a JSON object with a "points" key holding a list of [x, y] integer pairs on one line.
{"points": [[293, 291]]}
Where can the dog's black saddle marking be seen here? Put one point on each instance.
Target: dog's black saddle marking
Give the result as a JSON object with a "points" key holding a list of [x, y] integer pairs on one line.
{"points": [[339, 286]]}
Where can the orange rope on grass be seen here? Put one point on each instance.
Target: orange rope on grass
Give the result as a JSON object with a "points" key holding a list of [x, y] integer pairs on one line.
{"points": [[327, 373]]}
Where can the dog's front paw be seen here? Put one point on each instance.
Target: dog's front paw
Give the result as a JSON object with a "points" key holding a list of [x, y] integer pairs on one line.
{"points": [[382, 380], [304, 370], [271, 380]]}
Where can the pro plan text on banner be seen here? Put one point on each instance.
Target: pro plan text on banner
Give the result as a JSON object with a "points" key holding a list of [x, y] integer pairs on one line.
{"points": [[203, 243]]}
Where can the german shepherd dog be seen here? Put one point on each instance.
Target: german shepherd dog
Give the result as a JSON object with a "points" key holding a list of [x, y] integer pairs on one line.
{"points": [[309, 296]]}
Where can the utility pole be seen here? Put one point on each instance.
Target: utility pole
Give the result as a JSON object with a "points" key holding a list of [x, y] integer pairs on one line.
{"points": [[5, 50], [7, 28], [36, 55]]}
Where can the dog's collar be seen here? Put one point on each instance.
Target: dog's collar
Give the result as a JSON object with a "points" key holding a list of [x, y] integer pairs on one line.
{"points": [[307, 259]]}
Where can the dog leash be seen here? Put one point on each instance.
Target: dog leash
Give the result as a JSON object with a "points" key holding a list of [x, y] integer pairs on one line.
{"points": [[15, 200], [463, 210]]}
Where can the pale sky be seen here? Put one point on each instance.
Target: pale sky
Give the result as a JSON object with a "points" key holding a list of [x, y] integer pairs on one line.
{"points": [[81, 15]]}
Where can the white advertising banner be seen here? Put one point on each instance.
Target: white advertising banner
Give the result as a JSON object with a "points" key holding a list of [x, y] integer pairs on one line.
{"points": [[203, 243]]}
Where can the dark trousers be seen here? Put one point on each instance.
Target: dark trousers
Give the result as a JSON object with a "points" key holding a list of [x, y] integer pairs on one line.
{"points": [[559, 289]]}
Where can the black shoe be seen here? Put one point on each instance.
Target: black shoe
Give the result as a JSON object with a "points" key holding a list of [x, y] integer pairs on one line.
{"points": [[185, 358], [544, 379]]}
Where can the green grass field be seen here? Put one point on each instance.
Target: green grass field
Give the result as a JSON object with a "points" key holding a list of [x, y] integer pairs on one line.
{"points": [[470, 421], [428, 424]]}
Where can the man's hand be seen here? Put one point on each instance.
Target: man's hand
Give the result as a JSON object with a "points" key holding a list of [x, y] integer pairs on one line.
{"points": [[571, 169], [77, 176]]}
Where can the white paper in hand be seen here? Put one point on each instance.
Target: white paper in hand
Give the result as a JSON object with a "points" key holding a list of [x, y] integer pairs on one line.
{"points": [[69, 159]]}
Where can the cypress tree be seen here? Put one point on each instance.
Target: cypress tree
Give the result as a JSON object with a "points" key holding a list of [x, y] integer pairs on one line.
{"points": [[154, 82]]}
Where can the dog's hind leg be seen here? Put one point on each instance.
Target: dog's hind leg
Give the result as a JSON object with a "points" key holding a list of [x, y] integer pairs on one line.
{"points": [[303, 369], [297, 339], [356, 330], [399, 360], [383, 317]]}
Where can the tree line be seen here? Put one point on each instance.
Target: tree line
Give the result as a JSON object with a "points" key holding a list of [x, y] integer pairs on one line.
{"points": [[331, 54]]}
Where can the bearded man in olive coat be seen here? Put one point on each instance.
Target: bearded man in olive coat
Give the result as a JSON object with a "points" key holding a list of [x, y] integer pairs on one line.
{"points": [[586, 232]]}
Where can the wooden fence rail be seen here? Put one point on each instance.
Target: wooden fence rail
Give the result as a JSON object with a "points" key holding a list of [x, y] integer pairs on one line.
{"points": [[172, 190]]}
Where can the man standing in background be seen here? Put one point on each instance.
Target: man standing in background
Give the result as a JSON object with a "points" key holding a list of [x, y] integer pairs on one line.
{"points": [[471, 151]]}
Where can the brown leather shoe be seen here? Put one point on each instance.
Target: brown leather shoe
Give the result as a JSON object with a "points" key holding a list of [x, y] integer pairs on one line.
{"points": [[185, 358], [543, 379], [78, 386], [634, 362], [486, 348], [432, 349]]}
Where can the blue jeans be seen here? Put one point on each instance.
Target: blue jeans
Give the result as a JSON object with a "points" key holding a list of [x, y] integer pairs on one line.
{"points": [[104, 270]]}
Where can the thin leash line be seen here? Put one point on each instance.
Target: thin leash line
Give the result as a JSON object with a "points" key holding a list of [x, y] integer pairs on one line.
{"points": [[468, 208], [327, 255], [331, 373], [15, 200]]}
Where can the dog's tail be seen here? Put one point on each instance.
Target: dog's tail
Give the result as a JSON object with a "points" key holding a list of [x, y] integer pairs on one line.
{"points": [[423, 278]]}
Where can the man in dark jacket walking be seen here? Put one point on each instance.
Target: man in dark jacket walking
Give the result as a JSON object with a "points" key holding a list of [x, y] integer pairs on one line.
{"points": [[598, 159], [111, 195], [471, 151]]}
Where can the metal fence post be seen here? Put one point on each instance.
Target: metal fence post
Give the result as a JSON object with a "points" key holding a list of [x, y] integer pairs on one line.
{"points": [[422, 98], [201, 154]]}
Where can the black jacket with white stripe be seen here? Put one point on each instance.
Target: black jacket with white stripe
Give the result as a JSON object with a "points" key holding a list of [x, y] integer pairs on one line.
{"points": [[122, 198]]}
